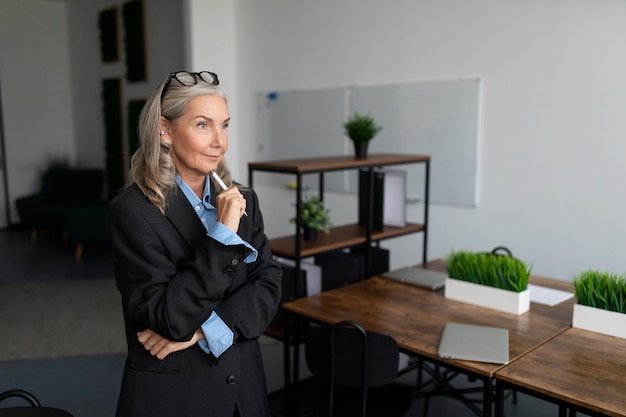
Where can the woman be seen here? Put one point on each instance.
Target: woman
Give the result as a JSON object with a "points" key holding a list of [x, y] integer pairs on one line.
{"points": [[192, 263]]}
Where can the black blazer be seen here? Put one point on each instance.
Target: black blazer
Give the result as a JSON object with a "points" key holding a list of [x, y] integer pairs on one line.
{"points": [[171, 276]]}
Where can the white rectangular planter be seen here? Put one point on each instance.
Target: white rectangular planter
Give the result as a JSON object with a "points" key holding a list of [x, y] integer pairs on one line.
{"points": [[600, 321], [490, 297]]}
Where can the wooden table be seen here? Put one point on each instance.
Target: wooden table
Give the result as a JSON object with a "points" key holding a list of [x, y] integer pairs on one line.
{"points": [[578, 369], [415, 318]]}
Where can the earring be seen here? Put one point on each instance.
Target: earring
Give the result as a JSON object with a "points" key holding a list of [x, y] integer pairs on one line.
{"points": [[162, 132]]}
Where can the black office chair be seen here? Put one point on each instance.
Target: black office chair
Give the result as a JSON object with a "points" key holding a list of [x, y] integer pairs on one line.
{"points": [[354, 372], [34, 410]]}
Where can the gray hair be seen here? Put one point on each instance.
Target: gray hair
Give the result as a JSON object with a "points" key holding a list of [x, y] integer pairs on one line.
{"points": [[151, 166]]}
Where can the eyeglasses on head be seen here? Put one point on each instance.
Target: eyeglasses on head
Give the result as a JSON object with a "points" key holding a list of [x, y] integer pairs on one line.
{"points": [[189, 79]]}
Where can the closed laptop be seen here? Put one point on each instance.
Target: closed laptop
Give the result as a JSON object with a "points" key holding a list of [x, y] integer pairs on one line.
{"points": [[475, 343], [418, 276]]}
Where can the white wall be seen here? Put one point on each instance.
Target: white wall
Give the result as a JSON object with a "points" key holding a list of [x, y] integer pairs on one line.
{"points": [[553, 109], [36, 90], [163, 27]]}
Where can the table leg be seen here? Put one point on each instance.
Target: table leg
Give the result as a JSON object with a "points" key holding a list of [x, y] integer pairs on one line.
{"points": [[487, 397], [499, 401]]}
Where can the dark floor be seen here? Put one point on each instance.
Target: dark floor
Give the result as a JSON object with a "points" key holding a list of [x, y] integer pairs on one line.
{"points": [[49, 258], [88, 386]]}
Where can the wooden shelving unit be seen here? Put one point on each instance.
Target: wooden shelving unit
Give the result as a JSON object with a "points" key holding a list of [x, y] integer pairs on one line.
{"points": [[295, 248]]}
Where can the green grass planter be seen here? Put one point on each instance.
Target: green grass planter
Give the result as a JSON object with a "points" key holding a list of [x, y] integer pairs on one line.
{"points": [[489, 280], [601, 304]]}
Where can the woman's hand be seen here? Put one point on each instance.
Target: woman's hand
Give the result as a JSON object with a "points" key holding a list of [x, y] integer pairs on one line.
{"points": [[161, 347], [230, 207]]}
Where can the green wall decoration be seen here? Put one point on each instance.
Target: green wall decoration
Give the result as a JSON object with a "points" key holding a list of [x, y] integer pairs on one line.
{"points": [[134, 40], [107, 23], [134, 108], [114, 152]]}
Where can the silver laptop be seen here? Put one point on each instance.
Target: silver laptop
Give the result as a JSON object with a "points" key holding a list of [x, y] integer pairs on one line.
{"points": [[418, 276], [475, 343]]}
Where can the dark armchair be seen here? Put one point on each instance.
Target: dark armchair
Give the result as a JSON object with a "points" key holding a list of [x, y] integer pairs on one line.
{"points": [[62, 189]]}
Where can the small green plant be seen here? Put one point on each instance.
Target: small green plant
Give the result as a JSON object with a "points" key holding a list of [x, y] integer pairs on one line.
{"points": [[314, 214], [361, 128], [602, 290], [504, 272]]}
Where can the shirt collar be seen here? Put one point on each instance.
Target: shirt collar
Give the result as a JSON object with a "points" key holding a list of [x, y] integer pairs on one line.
{"points": [[191, 196]]}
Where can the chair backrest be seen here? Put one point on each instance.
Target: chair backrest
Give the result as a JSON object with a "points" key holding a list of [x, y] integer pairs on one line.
{"points": [[20, 393], [34, 410], [78, 187], [346, 355]]}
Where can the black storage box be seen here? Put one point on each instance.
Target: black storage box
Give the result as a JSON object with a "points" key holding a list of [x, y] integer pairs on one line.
{"points": [[342, 268]]}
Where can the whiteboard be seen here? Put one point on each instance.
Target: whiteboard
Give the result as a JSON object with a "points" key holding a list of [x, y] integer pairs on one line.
{"points": [[436, 118], [302, 124], [439, 119]]}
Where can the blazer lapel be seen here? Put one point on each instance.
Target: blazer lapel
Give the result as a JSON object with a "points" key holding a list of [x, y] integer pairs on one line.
{"points": [[182, 216]]}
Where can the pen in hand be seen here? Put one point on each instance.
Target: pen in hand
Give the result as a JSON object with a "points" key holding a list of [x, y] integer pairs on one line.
{"points": [[219, 181]]}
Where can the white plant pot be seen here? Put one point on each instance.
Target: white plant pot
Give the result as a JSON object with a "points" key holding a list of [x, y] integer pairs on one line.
{"points": [[490, 297], [600, 321]]}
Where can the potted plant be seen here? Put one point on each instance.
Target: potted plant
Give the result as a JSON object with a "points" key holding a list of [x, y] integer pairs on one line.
{"points": [[361, 129], [314, 217], [601, 302], [489, 280]]}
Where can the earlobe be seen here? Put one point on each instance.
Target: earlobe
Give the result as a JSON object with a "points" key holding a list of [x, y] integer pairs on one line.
{"points": [[164, 124], [162, 137]]}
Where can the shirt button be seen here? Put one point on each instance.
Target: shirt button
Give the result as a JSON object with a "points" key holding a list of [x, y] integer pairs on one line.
{"points": [[231, 379], [234, 261], [197, 208]]}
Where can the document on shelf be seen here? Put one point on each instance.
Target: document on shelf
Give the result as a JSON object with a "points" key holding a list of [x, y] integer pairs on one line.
{"points": [[548, 296]]}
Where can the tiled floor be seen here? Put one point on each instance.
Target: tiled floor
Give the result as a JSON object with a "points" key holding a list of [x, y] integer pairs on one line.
{"points": [[89, 385]]}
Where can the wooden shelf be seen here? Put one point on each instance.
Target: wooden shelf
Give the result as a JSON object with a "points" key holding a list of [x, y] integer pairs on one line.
{"points": [[339, 237], [348, 235], [334, 163]]}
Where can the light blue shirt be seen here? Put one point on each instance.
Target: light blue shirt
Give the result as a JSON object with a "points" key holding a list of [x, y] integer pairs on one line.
{"points": [[218, 336]]}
